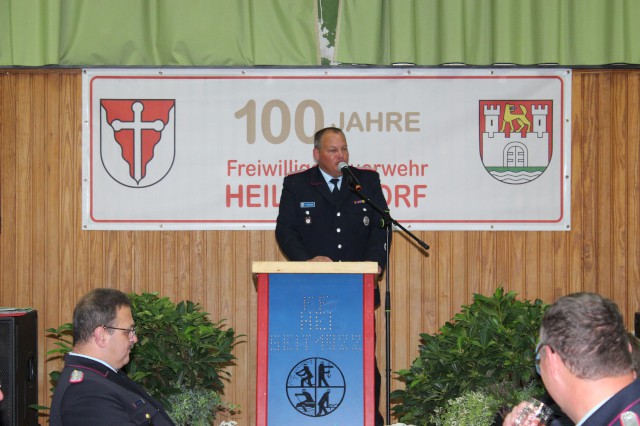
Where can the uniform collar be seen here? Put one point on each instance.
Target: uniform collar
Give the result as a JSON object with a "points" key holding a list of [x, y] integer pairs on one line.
{"points": [[327, 177], [93, 359]]}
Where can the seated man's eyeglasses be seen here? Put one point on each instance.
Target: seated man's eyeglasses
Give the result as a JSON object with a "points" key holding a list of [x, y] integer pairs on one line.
{"points": [[131, 331]]}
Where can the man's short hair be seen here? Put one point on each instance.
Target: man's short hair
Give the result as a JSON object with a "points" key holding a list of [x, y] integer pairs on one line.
{"points": [[317, 138], [635, 352], [98, 307], [587, 331]]}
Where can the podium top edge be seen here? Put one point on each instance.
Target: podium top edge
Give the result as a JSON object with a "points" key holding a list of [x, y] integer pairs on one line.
{"points": [[315, 267]]}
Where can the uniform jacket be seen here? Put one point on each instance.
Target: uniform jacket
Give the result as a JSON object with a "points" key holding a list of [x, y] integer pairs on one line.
{"points": [[625, 401], [310, 223], [89, 393]]}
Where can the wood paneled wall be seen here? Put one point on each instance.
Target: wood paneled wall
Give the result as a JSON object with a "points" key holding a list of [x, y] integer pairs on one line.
{"points": [[47, 261]]}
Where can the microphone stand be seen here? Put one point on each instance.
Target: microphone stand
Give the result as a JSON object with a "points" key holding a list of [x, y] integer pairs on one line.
{"points": [[386, 222]]}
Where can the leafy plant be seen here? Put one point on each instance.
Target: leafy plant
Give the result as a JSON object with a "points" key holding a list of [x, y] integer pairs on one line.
{"points": [[178, 347], [472, 408], [489, 346], [180, 357], [484, 407], [196, 406], [64, 342]]}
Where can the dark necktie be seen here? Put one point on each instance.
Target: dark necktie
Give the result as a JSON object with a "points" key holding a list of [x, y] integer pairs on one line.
{"points": [[335, 192]]}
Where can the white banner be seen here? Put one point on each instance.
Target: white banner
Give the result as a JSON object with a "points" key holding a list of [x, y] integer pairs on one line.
{"points": [[473, 149]]}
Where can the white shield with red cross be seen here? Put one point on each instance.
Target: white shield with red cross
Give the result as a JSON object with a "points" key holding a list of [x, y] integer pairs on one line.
{"points": [[137, 140]]}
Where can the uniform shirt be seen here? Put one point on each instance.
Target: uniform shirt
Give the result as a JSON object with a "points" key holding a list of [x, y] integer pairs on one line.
{"points": [[327, 177]]}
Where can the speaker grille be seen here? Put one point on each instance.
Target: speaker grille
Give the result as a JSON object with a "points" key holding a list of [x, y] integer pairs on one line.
{"points": [[18, 369]]}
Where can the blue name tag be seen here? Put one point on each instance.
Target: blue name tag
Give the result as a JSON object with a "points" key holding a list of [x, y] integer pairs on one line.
{"points": [[307, 204]]}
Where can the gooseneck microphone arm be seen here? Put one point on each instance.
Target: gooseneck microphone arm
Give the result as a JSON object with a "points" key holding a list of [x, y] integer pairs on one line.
{"points": [[386, 222]]}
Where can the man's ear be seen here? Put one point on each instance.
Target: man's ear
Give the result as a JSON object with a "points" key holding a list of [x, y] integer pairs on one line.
{"points": [[316, 154], [100, 336], [555, 363]]}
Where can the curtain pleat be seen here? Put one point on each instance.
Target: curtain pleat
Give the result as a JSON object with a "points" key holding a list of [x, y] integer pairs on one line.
{"points": [[285, 32], [488, 32], [158, 32]]}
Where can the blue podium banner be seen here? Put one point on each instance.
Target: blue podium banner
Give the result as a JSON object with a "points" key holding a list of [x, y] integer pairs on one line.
{"points": [[315, 345]]}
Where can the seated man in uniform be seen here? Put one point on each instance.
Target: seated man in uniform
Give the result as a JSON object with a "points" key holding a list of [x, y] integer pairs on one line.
{"points": [[586, 364], [92, 390]]}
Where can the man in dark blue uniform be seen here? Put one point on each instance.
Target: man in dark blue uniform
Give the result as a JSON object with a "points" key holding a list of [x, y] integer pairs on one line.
{"points": [[92, 390], [322, 219], [316, 224], [586, 364]]}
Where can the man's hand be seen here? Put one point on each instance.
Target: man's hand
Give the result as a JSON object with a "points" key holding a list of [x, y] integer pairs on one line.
{"points": [[320, 259], [510, 419]]}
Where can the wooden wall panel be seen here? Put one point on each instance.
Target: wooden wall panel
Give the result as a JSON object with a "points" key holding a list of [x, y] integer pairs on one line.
{"points": [[47, 261], [632, 252]]}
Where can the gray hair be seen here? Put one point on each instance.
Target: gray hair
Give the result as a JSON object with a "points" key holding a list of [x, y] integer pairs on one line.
{"points": [[98, 307], [588, 333]]}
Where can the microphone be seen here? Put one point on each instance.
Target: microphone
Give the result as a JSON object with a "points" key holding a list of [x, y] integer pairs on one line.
{"points": [[346, 171]]}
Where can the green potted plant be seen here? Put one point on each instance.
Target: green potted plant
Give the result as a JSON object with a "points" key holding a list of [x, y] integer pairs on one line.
{"points": [[488, 348], [473, 408], [180, 357]]}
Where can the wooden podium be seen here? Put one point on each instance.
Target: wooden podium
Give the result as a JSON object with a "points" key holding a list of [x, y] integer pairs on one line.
{"points": [[315, 343]]}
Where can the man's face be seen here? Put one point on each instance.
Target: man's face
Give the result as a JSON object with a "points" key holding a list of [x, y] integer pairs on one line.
{"points": [[120, 342], [333, 150]]}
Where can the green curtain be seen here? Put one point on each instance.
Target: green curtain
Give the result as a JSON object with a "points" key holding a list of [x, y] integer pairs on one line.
{"points": [[29, 32], [158, 32], [488, 32], [285, 32]]}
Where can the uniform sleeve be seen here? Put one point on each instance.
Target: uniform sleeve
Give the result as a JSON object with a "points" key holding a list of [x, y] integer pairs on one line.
{"points": [[287, 233], [81, 407]]}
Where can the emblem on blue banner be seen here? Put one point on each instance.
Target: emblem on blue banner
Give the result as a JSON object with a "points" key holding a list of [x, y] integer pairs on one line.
{"points": [[316, 387]]}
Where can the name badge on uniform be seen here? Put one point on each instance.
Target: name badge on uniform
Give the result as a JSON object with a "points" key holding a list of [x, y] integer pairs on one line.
{"points": [[307, 204]]}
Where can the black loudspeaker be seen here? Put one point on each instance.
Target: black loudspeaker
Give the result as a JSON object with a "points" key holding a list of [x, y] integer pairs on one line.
{"points": [[19, 368]]}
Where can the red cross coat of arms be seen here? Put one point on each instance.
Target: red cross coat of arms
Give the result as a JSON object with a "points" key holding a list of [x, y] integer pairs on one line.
{"points": [[137, 140]]}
